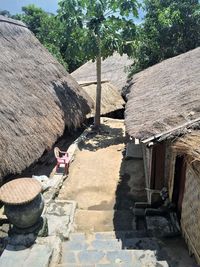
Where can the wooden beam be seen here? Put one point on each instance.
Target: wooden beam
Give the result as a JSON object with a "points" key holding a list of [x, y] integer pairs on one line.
{"points": [[86, 83], [185, 125]]}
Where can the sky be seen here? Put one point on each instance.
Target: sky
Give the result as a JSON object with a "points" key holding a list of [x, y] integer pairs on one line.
{"points": [[14, 6]]}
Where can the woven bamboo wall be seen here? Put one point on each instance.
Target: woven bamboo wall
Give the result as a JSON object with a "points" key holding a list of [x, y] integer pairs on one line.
{"points": [[190, 217]]}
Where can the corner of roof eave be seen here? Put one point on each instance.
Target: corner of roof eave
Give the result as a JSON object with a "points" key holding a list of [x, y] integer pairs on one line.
{"points": [[150, 141]]}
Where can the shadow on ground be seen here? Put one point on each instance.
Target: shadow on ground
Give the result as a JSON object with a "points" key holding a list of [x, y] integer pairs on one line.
{"points": [[173, 250], [47, 162], [106, 136], [123, 215]]}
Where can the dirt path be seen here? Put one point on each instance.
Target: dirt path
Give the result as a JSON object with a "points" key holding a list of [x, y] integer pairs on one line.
{"points": [[94, 177], [99, 182]]}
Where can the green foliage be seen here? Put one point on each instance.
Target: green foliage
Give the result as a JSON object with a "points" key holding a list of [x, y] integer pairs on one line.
{"points": [[51, 36], [5, 13], [106, 19], [46, 27], [71, 35], [60, 38], [32, 16], [102, 25], [171, 27]]}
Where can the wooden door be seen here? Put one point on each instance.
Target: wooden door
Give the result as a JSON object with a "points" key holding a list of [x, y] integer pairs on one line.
{"points": [[157, 167], [179, 184]]}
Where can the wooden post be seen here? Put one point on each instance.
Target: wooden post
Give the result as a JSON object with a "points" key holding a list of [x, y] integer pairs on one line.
{"points": [[98, 90]]}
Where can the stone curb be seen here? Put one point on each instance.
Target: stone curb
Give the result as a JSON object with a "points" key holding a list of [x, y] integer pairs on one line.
{"points": [[71, 217], [73, 147], [51, 195]]}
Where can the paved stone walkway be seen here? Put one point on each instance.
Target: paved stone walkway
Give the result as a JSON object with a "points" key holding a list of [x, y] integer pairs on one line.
{"points": [[103, 249], [44, 253]]}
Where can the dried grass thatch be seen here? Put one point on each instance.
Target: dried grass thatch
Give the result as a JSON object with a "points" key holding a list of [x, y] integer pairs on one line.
{"points": [[164, 96], [114, 70], [111, 99], [189, 145], [38, 98]]}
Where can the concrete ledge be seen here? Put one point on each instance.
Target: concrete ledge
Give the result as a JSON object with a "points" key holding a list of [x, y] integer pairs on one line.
{"points": [[134, 151]]}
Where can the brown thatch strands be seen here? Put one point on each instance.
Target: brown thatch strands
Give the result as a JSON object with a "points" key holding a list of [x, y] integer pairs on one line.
{"points": [[114, 70], [164, 96], [111, 100], [189, 145], [38, 98]]}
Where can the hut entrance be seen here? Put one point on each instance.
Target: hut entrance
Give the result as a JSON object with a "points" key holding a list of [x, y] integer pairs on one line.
{"points": [[158, 165], [179, 184]]}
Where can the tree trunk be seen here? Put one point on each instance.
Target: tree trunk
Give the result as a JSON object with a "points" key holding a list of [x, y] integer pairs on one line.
{"points": [[98, 90]]}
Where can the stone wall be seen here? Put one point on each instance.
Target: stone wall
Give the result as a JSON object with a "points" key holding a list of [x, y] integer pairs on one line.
{"points": [[134, 168]]}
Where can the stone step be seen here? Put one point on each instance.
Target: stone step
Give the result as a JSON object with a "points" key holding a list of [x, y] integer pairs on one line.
{"points": [[77, 236], [139, 212], [107, 249], [162, 264], [95, 244], [90, 221], [113, 244], [110, 244], [108, 257], [151, 264], [138, 264], [105, 265], [74, 265], [142, 243], [98, 257], [121, 234], [118, 235]]}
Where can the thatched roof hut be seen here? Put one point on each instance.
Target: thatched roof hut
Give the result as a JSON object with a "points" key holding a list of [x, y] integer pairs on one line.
{"points": [[111, 99], [165, 98], [38, 98], [114, 70]]}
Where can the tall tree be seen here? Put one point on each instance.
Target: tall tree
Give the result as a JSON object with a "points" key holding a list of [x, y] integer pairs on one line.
{"points": [[170, 27], [5, 13], [59, 36], [106, 26], [51, 35], [32, 16], [46, 27]]}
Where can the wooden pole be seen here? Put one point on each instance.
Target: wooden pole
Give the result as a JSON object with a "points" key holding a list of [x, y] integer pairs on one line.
{"points": [[98, 90]]}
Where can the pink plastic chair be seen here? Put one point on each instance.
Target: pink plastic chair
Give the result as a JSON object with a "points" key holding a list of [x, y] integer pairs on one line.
{"points": [[62, 158]]}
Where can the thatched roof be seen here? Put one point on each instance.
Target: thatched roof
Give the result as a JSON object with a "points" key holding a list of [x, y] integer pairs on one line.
{"points": [[189, 145], [114, 70], [111, 99], [38, 98], [165, 97]]}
